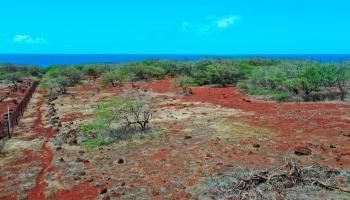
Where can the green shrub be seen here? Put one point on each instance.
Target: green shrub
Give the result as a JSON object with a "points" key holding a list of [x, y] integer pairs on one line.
{"points": [[280, 96], [221, 73], [91, 71], [243, 85], [259, 91], [255, 76], [91, 127], [71, 75], [184, 82], [126, 111], [307, 80], [44, 86], [93, 143], [114, 78]]}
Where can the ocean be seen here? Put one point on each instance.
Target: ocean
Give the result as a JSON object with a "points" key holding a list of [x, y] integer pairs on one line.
{"points": [[45, 60]]}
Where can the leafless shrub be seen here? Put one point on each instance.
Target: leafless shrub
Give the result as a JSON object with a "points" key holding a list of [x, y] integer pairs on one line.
{"points": [[289, 181]]}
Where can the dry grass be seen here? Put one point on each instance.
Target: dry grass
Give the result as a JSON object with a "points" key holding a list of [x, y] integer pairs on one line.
{"points": [[290, 181]]}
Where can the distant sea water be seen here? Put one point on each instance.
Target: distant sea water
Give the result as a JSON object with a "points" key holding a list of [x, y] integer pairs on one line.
{"points": [[45, 60]]}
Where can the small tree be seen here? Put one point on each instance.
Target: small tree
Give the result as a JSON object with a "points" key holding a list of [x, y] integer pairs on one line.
{"points": [[310, 78], [329, 74], [107, 79], [221, 73], [10, 68], [14, 78], [58, 86], [114, 78], [342, 79], [90, 71], [35, 71], [72, 74], [128, 112], [184, 82]]}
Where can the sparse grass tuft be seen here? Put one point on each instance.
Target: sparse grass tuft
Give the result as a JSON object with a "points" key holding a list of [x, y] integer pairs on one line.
{"points": [[93, 143], [91, 127]]}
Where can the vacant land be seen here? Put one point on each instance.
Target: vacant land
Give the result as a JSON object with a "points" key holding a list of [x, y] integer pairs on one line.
{"points": [[194, 144]]}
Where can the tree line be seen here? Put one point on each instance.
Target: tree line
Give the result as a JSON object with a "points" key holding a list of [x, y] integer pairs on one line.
{"points": [[282, 80]]}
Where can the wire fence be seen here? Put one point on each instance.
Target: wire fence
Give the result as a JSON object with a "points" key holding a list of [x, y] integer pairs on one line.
{"points": [[11, 118]]}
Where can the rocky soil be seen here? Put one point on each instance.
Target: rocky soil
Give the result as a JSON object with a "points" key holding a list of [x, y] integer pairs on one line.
{"points": [[194, 139]]}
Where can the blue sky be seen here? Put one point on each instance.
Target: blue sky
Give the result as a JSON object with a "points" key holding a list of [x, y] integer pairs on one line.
{"points": [[175, 27]]}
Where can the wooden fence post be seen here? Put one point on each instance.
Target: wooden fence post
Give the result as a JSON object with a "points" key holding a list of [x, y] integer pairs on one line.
{"points": [[8, 122]]}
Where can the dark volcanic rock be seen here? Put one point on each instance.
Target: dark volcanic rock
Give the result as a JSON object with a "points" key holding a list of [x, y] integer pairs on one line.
{"points": [[187, 137], [346, 134], [246, 100], [103, 191], [302, 151], [120, 161]]}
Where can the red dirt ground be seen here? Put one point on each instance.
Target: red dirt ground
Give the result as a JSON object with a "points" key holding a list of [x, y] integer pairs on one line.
{"points": [[73, 116], [45, 157], [83, 191], [13, 96], [315, 125], [321, 124]]}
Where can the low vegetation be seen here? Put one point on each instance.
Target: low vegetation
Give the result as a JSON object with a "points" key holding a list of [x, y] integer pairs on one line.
{"points": [[290, 181], [15, 74], [185, 83], [128, 113], [117, 120], [57, 79], [280, 80], [308, 81], [216, 144]]}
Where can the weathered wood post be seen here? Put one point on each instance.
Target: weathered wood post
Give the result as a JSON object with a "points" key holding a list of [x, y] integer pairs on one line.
{"points": [[8, 122]]}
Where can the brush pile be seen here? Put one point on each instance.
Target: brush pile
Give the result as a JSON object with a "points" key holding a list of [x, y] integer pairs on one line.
{"points": [[289, 181]]}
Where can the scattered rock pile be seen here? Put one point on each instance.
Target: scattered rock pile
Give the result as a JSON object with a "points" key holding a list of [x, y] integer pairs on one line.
{"points": [[62, 137], [52, 114], [69, 136], [65, 135]]}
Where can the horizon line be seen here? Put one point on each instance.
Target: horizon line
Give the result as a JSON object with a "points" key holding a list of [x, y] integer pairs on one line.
{"points": [[175, 54]]}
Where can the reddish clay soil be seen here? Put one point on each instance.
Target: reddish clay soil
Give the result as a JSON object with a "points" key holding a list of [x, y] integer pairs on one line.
{"points": [[181, 160], [13, 98], [72, 116], [318, 125], [82, 191], [44, 157], [160, 86]]}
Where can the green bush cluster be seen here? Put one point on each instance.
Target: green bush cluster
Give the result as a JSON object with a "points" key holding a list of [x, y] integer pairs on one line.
{"points": [[117, 120], [90, 128], [184, 82], [93, 143], [58, 78], [15, 74], [303, 79], [282, 80], [221, 73]]}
